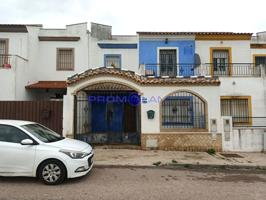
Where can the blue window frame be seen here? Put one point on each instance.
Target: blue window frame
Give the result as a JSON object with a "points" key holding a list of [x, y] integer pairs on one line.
{"points": [[112, 60]]}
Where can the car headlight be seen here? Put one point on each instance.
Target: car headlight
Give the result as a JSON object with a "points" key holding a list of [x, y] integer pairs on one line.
{"points": [[75, 154]]}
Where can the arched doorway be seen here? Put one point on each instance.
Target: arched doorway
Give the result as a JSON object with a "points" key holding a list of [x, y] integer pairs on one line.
{"points": [[107, 113]]}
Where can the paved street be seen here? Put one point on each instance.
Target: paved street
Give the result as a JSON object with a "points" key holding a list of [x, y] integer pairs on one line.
{"points": [[136, 183]]}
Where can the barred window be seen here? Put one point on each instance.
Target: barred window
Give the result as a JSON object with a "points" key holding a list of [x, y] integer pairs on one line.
{"points": [[3, 46], [112, 60], [238, 108], [260, 60], [3, 51], [220, 62], [183, 110], [65, 59]]}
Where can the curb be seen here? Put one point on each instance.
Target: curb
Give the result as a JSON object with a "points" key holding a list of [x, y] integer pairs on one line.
{"points": [[188, 166]]}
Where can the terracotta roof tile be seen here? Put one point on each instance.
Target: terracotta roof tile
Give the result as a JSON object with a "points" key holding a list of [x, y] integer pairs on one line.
{"points": [[141, 80], [48, 85]]}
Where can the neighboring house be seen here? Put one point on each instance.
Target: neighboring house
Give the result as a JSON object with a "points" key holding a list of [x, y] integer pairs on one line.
{"points": [[40, 60], [162, 90]]}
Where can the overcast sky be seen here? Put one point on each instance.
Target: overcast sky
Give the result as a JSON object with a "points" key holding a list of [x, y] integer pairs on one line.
{"points": [[129, 16]]}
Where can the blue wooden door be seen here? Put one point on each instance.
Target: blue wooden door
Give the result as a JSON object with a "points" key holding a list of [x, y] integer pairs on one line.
{"points": [[115, 117], [108, 118], [98, 119], [115, 122]]}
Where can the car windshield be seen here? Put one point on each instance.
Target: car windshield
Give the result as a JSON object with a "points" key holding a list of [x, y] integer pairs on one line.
{"points": [[42, 133]]}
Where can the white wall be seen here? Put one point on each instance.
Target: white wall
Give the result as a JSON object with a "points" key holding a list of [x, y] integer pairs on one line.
{"points": [[68, 115], [129, 57], [17, 45], [7, 89], [248, 140], [240, 50], [45, 65], [209, 93], [237, 86], [40, 57], [246, 86], [38, 62], [257, 51]]}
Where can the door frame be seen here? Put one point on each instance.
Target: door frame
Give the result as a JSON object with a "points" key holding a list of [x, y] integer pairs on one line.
{"points": [[229, 49], [158, 58]]}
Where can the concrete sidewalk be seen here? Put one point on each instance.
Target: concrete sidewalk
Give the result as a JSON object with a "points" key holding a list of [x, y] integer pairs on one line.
{"points": [[128, 157]]}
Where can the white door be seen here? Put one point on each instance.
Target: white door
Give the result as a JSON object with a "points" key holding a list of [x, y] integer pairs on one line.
{"points": [[15, 158]]}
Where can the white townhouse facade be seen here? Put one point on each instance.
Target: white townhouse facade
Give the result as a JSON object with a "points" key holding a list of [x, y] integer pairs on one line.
{"points": [[160, 90]]}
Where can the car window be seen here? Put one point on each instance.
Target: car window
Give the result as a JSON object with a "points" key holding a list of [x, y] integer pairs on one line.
{"points": [[42, 133], [11, 134]]}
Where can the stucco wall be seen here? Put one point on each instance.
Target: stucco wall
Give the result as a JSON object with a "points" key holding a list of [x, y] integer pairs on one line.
{"points": [[17, 43], [13, 78], [129, 57], [246, 86], [261, 52], [39, 63], [209, 93], [240, 50], [7, 89], [46, 61], [248, 140]]}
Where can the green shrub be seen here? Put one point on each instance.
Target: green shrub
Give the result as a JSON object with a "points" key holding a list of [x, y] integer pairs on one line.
{"points": [[211, 151]]}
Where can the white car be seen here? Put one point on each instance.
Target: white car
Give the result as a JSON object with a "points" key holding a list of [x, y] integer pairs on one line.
{"points": [[30, 149]]}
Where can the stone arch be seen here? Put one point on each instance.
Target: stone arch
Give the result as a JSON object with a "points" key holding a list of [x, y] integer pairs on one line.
{"points": [[115, 83]]}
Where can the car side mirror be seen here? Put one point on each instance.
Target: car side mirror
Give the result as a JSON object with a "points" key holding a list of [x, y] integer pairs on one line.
{"points": [[27, 142]]}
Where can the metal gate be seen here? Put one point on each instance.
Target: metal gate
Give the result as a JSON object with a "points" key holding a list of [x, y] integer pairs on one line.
{"points": [[48, 113], [102, 121]]}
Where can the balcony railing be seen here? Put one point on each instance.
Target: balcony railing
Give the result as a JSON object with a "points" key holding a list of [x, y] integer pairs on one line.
{"points": [[6, 61], [255, 122], [207, 69]]}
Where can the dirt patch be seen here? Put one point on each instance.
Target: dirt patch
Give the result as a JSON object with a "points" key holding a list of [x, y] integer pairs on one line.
{"points": [[193, 156], [234, 178], [231, 155]]}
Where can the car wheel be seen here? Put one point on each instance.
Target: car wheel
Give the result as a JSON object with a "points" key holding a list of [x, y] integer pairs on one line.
{"points": [[52, 172]]}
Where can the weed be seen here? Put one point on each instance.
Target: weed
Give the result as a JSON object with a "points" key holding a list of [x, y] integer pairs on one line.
{"points": [[157, 163], [174, 161], [211, 151]]}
